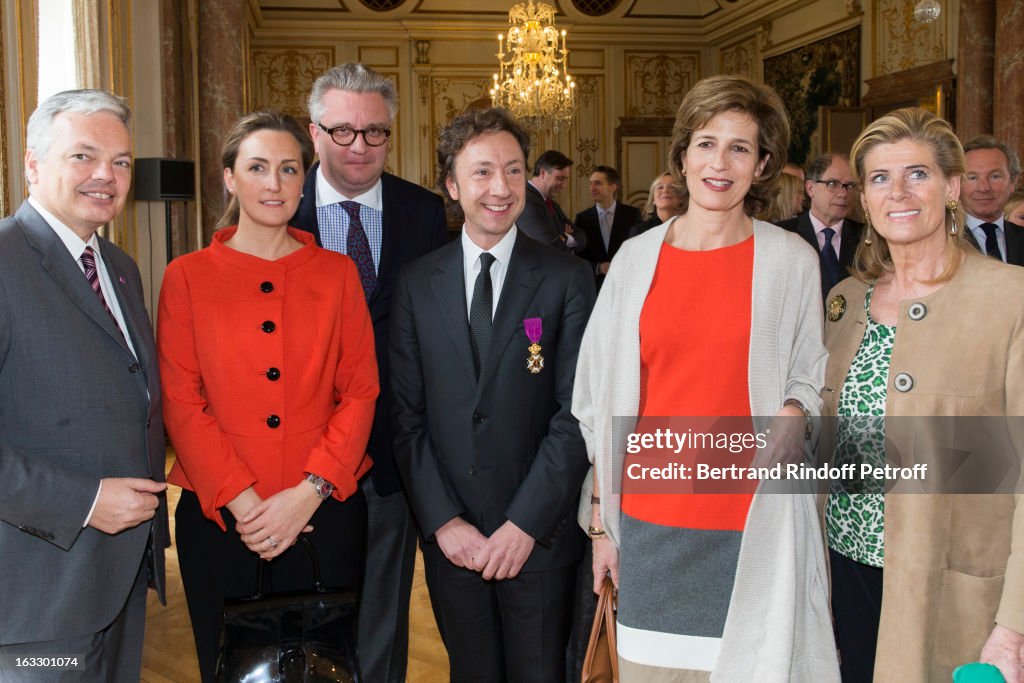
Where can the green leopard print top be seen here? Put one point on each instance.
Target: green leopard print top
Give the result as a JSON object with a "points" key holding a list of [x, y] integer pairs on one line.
{"points": [[854, 520]]}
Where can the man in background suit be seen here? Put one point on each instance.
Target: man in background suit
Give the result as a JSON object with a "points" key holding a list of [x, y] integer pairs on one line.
{"points": [[542, 218], [382, 222], [992, 171], [832, 190], [483, 351], [607, 223], [83, 515]]}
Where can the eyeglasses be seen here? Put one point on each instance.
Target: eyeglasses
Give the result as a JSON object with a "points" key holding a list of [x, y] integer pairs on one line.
{"points": [[373, 136], [834, 185]]}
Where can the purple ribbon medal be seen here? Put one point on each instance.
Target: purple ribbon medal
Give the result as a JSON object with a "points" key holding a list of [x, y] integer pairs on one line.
{"points": [[534, 328]]}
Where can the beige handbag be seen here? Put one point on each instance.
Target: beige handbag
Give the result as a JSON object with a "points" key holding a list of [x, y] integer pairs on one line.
{"points": [[601, 663]]}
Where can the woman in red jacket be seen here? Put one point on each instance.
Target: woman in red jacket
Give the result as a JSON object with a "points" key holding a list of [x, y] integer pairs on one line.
{"points": [[269, 382]]}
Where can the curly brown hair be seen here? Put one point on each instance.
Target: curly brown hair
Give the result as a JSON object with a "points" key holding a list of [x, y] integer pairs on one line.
{"points": [[465, 128]]}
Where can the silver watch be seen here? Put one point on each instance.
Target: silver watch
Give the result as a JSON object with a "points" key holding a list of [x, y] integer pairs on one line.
{"points": [[324, 488]]}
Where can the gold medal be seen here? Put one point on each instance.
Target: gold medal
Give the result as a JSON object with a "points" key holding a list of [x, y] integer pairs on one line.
{"points": [[836, 308], [535, 363]]}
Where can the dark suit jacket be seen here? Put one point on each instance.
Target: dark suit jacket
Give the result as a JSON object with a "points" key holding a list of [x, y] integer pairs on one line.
{"points": [[626, 217], [75, 406], [537, 222], [414, 224], [505, 447], [848, 240], [1014, 242]]}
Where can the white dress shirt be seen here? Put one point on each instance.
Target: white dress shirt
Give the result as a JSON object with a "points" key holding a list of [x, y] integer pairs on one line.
{"points": [[502, 253]]}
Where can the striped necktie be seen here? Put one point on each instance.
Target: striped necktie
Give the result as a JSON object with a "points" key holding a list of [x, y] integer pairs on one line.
{"points": [[88, 259]]}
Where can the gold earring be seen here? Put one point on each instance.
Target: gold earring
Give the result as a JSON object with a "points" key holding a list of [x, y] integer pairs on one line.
{"points": [[867, 229], [951, 205]]}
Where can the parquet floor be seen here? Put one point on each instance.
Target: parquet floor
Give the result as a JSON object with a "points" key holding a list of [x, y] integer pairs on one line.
{"points": [[169, 654]]}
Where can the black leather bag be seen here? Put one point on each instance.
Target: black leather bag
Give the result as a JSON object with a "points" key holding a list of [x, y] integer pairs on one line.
{"points": [[290, 637]]}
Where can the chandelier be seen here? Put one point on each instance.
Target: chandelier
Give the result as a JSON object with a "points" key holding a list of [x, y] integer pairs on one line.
{"points": [[534, 82]]}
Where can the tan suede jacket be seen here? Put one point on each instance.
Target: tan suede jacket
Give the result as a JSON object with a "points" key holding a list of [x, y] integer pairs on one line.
{"points": [[954, 564]]}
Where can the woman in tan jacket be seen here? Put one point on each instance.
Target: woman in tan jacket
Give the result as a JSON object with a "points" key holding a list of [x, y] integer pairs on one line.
{"points": [[925, 340]]}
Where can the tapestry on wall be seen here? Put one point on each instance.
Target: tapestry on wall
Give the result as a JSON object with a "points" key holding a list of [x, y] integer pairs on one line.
{"points": [[824, 73]]}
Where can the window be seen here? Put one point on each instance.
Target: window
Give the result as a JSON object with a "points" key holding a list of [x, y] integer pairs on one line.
{"points": [[58, 62]]}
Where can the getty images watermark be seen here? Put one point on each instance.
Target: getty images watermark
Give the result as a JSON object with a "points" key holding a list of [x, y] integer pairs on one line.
{"points": [[867, 454]]}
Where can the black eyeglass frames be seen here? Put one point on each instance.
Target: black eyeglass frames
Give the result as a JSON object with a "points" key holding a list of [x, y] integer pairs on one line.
{"points": [[344, 135]]}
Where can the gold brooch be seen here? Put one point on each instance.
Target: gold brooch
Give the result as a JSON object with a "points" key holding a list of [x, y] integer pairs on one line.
{"points": [[836, 308]]}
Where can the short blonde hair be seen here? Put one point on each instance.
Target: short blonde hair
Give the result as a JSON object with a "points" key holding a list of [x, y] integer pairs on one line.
{"points": [[712, 96], [1015, 199], [917, 125], [649, 209], [781, 206]]}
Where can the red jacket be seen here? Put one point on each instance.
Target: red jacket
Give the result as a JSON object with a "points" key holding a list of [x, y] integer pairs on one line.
{"points": [[268, 370]]}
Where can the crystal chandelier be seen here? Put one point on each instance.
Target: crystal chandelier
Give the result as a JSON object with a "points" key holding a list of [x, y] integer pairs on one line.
{"points": [[534, 83]]}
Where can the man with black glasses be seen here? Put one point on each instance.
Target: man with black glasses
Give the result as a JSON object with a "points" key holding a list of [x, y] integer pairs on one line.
{"points": [[382, 222], [833, 191]]}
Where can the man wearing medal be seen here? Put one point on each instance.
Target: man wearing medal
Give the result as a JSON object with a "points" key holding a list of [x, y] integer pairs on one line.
{"points": [[484, 338]]}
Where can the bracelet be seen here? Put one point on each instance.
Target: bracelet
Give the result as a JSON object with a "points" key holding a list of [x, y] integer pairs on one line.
{"points": [[596, 532], [808, 421], [594, 500]]}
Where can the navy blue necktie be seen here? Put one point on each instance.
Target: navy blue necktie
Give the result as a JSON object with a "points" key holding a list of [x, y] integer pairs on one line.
{"points": [[829, 264], [358, 247], [991, 241]]}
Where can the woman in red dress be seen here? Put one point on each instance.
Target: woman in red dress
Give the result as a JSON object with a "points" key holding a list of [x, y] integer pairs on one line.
{"points": [[709, 323], [269, 382]]}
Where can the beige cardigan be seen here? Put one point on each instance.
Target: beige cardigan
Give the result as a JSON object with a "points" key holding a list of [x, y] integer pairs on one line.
{"points": [[778, 627]]}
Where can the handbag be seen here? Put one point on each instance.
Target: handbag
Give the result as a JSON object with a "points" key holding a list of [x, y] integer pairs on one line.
{"points": [[302, 636], [601, 663]]}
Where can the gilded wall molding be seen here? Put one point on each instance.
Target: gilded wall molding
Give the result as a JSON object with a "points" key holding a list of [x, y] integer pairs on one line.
{"points": [[657, 81], [283, 77], [450, 95], [900, 42], [740, 58]]}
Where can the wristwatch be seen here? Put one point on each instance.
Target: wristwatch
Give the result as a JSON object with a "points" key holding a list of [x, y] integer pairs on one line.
{"points": [[324, 488]]}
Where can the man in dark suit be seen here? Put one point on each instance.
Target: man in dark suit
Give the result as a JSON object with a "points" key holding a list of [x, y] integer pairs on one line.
{"points": [[832, 190], [542, 218], [607, 223], [83, 515], [992, 171], [483, 351], [382, 222]]}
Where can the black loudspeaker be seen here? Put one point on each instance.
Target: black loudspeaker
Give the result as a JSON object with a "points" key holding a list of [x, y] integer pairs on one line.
{"points": [[159, 180]]}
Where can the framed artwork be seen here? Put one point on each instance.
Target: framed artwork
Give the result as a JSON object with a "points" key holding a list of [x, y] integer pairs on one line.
{"points": [[825, 73]]}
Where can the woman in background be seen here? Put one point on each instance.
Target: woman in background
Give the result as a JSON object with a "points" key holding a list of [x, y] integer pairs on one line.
{"points": [[663, 202], [787, 202], [711, 314], [269, 381], [1014, 209], [915, 346]]}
